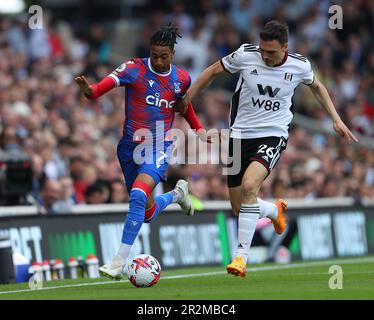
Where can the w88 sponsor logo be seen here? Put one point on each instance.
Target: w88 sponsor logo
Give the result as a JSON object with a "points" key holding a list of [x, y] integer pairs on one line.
{"points": [[154, 100], [268, 105]]}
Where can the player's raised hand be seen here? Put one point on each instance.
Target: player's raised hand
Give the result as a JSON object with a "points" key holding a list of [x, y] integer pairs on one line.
{"points": [[84, 85], [180, 106], [343, 131]]}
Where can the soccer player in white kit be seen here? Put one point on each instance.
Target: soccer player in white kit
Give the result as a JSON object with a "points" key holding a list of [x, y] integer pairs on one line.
{"points": [[261, 112]]}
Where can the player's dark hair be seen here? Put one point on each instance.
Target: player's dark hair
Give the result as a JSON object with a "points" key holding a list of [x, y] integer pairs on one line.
{"points": [[166, 36], [275, 30]]}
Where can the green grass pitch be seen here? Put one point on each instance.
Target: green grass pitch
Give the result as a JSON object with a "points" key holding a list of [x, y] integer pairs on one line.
{"points": [[299, 280]]}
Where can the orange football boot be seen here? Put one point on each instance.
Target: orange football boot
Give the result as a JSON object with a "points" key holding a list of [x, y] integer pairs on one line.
{"points": [[237, 267], [280, 222]]}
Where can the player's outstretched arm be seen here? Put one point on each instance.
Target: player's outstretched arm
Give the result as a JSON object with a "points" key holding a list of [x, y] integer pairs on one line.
{"points": [[323, 97], [95, 90], [204, 79]]}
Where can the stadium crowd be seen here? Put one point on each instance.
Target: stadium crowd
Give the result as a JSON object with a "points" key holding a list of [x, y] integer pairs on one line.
{"points": [[72, 141]]}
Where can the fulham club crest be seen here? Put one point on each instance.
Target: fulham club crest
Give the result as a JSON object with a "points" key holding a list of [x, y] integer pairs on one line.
{"points": [[288, 76]]}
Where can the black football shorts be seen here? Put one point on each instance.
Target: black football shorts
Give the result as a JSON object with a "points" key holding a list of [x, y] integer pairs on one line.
{"points": [[265, 150]]}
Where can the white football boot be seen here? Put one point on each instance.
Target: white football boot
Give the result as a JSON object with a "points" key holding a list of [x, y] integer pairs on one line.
{"points": [[185, 202], [112, 270]]}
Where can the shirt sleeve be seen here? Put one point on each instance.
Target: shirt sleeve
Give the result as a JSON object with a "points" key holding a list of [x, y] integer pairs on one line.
{"points": [[192, 118], [98, 89], [308, 74], [233, 62], [125, 74]]}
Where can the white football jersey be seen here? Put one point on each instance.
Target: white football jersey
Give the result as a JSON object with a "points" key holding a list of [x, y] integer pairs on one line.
{"points": [[262, 103]]}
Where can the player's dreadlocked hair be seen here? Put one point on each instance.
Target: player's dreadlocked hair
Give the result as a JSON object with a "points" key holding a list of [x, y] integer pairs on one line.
{"points": [[166, 36]]}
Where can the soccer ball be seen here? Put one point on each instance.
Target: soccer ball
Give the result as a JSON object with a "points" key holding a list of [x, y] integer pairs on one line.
{"points": [[144, 271]]}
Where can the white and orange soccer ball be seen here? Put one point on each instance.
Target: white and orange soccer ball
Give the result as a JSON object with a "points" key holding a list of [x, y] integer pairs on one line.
{"points": [[144, 271]]}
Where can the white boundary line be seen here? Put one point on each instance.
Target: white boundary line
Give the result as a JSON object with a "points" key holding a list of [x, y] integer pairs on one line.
{"points": [[205, 274]]}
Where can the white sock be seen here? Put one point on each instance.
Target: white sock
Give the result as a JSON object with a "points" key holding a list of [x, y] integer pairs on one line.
{"points": [[123, 253], [267, 209], [248, 216]]}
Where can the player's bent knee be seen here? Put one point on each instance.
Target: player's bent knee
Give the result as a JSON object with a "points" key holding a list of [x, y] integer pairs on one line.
{"points": [[138, 199]]}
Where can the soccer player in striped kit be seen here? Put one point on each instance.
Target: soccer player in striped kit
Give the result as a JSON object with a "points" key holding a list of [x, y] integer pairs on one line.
{"points": [[153, 87], [261, 112]]}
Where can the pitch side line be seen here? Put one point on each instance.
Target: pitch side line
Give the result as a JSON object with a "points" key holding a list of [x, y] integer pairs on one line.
{"points": [[204, 274]]}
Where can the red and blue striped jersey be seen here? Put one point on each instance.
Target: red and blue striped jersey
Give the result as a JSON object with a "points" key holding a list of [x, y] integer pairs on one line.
{"points": [[149, 97]]}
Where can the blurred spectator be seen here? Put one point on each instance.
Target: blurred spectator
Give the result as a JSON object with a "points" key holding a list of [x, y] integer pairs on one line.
{"points": [[15, 33], [192, 50], [50, 196], [198, 186], [118, 192], [217, 188], [9, 140], [93, 194], [68, 194], [98, 192], [76, 167], [38, 176], [242, 12], [98, 43], [180, 17]]}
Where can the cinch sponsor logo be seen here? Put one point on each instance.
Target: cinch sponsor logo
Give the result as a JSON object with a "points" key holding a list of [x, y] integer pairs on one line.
{"points": [[156, 101]]}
